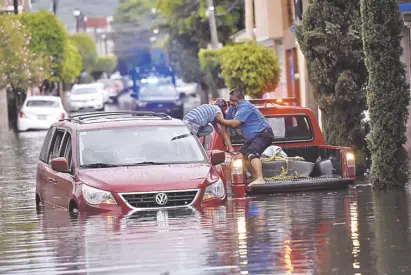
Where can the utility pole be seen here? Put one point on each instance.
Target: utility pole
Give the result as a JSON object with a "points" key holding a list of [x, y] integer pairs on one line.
{"points": [[55, 2], [213, 24], [249, 18], [16, 6]]}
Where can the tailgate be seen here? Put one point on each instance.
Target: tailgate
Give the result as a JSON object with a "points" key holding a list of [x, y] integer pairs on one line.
{"points": [[298, 185]]}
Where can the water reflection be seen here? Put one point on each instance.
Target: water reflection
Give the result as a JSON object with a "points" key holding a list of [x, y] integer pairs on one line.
{"points": [[356, 231]]}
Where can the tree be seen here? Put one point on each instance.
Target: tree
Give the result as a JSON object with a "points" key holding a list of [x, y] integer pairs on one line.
{"points": [[133, 21], [48, 38], [105, 64], [250, 66], [72, 62], [330, 39], [211, 68], [387, 92], [189, 31], [19, 67], [87, 49]]}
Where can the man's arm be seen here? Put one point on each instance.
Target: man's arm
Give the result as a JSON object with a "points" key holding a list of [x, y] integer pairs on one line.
{"points": [[222, 131], [240, 118]]}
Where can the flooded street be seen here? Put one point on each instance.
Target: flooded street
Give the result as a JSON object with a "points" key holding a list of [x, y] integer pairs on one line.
{"points": [[354, 231]]}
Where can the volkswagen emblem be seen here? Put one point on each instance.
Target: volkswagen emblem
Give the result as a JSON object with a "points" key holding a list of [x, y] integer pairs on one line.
{"points": [[161, 199], [160, 105]]}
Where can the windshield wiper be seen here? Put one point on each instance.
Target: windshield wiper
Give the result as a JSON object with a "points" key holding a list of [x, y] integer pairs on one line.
{"points": [[98, 165], [181, 136]]}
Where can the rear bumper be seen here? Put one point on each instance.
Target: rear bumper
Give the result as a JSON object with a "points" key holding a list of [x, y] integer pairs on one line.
{"points": [[24, 124], [174, 111], [87, 105], [300, 185]]}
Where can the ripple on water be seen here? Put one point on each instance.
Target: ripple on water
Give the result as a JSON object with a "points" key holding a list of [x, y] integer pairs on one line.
{"points": [[344, 232]]}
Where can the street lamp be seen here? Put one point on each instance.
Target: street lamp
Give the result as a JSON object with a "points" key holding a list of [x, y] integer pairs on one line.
{"points": [[77, 14], [84, 23], [104, 37]]}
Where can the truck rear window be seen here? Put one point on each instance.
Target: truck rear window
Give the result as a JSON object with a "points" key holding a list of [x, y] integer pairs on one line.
{"points": [[286, 128]]}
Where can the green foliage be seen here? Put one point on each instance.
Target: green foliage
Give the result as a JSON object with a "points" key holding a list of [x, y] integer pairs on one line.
{"points": [[189, 31], [330, 39], [133, 21], [19, 66], [87, 49], [72, 62], [106, 64], [250, 66], [211, 68], [387, 93], [48, 38]]}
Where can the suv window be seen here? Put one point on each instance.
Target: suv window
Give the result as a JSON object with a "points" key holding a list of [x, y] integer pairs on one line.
{"points": [[66, 149], [55, 144], [286, 128], [45, 149]]}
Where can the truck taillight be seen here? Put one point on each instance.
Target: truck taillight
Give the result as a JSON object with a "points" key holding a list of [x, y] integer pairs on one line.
{"points": [[350, 158], [350, 162], [237, 171], [21, 114]]}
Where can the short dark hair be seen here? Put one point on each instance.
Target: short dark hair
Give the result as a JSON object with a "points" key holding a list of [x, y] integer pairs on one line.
{"points": [[237, 92]]}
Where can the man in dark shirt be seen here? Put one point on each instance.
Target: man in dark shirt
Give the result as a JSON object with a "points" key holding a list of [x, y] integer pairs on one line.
{"points": [[258, 134]]}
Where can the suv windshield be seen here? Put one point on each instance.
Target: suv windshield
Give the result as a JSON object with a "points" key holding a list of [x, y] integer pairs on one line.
{"points": [[43, 103], [84, 91], [286, 128], [139, 146]]}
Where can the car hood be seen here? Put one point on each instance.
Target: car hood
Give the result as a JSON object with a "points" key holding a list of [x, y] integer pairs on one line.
{"points": [[159, 98], [149, 178]]}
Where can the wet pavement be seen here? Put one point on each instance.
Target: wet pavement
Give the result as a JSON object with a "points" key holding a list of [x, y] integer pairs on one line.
{"points": [[354, 231]]}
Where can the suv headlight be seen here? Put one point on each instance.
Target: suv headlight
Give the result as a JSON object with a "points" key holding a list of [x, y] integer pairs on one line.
{"points": [[96, 196], [141, 103], [215, 191]]}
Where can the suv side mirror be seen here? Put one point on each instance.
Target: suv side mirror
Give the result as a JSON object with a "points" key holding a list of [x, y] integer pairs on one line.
{"points": [[60, 165], [182, 95], [217, 157]]}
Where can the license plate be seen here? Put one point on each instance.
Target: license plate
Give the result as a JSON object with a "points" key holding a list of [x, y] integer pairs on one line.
{"points": [[42, 117]]}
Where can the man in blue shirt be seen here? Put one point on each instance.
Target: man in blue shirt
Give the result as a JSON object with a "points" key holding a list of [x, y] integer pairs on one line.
{"points": [[258, 134]]}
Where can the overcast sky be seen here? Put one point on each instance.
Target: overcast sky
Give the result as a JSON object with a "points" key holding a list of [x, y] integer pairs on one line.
{"points": [[92, 8]]}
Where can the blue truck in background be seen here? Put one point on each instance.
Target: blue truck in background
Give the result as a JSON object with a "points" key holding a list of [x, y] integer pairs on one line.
{"points": [[154, 89]]}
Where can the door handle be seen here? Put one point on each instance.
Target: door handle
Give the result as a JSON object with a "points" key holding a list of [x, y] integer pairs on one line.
{"points": [[53, 180]]}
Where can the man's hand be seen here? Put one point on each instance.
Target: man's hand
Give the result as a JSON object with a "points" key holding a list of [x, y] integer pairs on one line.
{"points": [[228, 122]]}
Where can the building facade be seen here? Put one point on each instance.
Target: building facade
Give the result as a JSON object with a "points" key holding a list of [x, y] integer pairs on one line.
{"points": [[100, 29], [8, 6], [275, 28]]}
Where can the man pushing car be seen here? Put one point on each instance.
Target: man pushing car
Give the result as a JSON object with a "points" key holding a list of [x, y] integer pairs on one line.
{"points": [[202, 120], [258, 134]]}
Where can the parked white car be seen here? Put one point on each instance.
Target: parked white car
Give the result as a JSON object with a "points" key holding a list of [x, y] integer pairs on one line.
{"points": [[87, 96], [40, 112]]}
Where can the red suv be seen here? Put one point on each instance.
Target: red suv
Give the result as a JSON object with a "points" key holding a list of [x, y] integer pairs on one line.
{"points": [[126, 161]]}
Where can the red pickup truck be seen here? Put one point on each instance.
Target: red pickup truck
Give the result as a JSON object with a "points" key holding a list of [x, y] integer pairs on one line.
{"points": [[310, 164]]}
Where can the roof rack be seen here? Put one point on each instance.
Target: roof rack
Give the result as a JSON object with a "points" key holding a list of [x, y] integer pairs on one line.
{"points": [[83, 117]]}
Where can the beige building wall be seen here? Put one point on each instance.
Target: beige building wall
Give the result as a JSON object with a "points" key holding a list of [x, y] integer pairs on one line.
{"points": [[273, 19]]}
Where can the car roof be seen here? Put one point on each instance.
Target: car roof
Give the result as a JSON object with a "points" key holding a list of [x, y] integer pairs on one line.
{"points": [[43, 97], [121, 119]]}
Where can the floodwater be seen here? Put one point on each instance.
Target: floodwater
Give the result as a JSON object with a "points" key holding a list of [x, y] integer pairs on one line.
{"points": [[354, 231]]}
